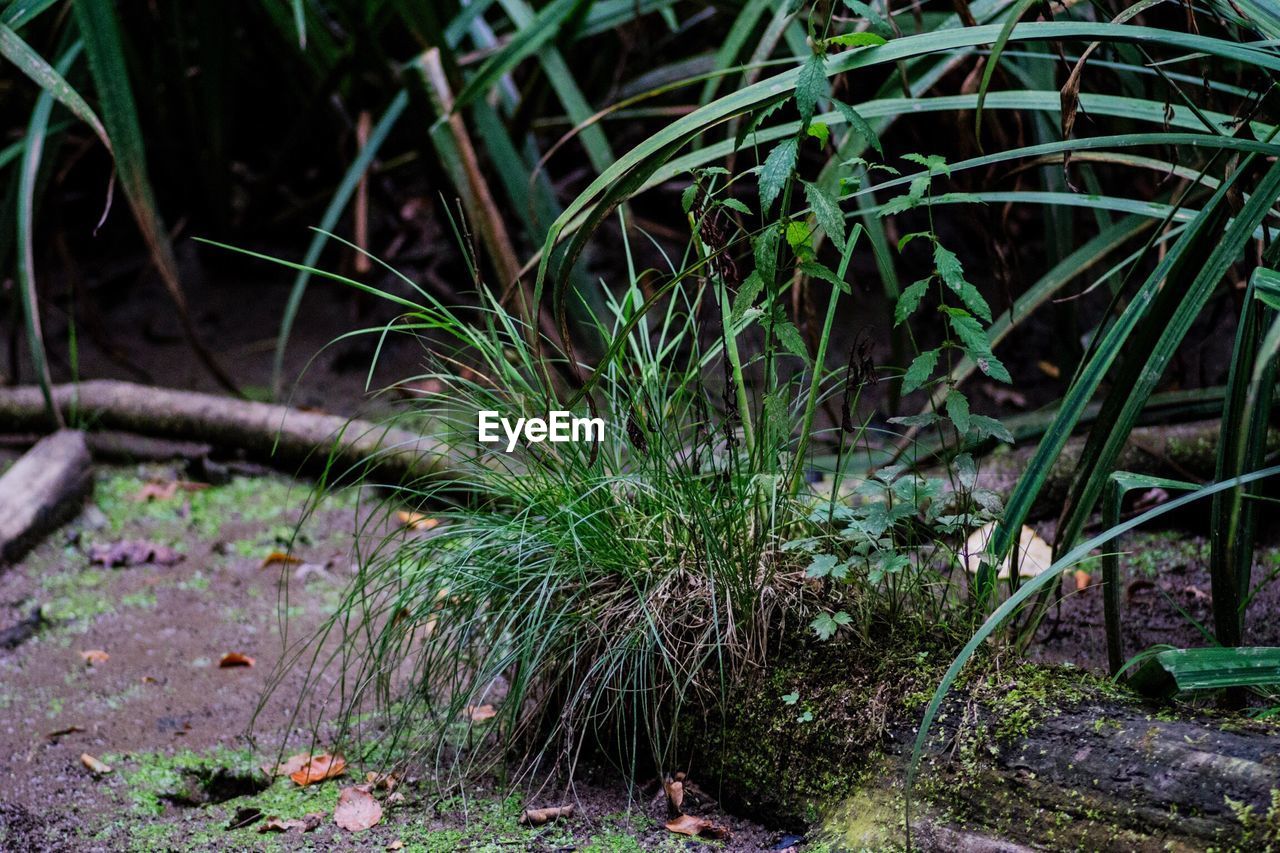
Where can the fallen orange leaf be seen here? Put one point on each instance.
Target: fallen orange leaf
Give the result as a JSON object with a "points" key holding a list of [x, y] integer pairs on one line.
{"points": [[98, 767], [480, 713], [416, 520], [289, 766], [235, 659], [319, 768], [94, 656], [1082, 580], [696, 826], [357, 810], [280, 558]]}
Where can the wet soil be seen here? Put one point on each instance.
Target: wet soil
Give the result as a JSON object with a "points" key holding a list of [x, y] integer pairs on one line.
{"points": [[1166, 600], [174, 725]]}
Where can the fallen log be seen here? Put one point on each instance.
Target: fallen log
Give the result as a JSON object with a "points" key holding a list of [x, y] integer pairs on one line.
{"points": [[1023, 757], [44, 488], [283, 437], [1186, 451]]}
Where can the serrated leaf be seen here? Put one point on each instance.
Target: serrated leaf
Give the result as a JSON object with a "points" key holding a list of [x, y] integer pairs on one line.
{"points": [[764, 249], [746, 296], [909, 301], [923, 419], [952, 272], [948, 266], [973, 300], [898, 204], [688, 197], [821, 566], [877, 22], [824, 626], [735, 204], [789, 337], [776, 171], [859, 125], [988, 427], [907, 238], [932, 162], [919, 371], [827, 211], [958, 410], [813, 269], [812, 86]]}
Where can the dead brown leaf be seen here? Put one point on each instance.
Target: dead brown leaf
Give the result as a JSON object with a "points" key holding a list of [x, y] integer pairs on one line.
{"points": [[280, 558], [95, 766], [357, 810], [232, 660], [674, 789], [289, 766], [306, 823], [163, 490], [537, 817], [480, 713], [1083, 579], [697, 827], [92, 657], [132, 552], [319, 768], [1048, 368], [381, 781], [395, 845], [416, 520]]}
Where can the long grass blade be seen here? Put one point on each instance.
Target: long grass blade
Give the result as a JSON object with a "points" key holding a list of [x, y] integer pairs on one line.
{"points": [[328, 221]]}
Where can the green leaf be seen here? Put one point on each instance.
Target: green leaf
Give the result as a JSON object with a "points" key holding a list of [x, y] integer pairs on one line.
{"points": [[827, 624], [974, 339], [879, 25], [827, 211], [813, 269], [30, 63], [984, 426], [958, 410], [812, 86], [1028, 590], [923, 419], [859, 125], [688, 197], [820, 131], [1214, 668], [790, 338], [909, 301], [776, 171], [526, 41], [857, 40], [735, 204], [104, 46], [919, 371], [821, 566], [746, 296]]}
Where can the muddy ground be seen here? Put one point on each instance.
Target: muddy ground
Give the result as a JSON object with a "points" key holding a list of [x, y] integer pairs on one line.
{"points": [[174, 726]]}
